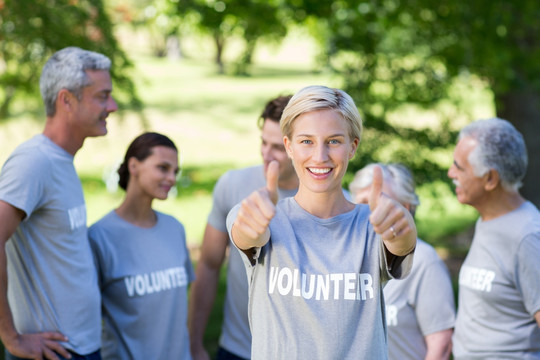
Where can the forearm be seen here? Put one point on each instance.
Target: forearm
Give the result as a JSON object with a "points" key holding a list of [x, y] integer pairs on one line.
{"points": [[8, 334], [537, 317], [439, 345], [201, 301], [10, 218]]}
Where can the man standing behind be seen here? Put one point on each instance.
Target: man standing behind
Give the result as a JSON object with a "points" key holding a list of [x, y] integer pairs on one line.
{"points": [[232, 188], [499, 288], [52, 307]]}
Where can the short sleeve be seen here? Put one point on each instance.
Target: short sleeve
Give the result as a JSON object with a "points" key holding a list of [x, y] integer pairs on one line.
{"points": [[434, 298], [218, 213], [93, 238], [528, 272], [23, 179]]}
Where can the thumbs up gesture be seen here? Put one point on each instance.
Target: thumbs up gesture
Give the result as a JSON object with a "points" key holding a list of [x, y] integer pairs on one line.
{"points": [[390, 219], [250, 229]]}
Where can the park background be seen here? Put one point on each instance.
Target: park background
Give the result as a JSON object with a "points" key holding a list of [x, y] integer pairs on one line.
{"points": [[200, 71]]}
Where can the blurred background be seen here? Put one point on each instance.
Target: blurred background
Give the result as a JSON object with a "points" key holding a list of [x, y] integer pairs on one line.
{"points": [[200, 71]]}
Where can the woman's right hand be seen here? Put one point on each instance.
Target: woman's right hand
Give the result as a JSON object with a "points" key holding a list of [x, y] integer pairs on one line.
{"points": [[250, 229]]}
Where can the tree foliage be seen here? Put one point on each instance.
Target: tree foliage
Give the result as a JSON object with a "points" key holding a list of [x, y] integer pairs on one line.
{"points": [[385, 68], [250, 20], [31, 30], [394, 53]]}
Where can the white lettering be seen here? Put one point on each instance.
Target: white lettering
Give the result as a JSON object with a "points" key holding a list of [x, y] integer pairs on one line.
{"points": [[165, 280], [130, 285], [347, 286], [162, 280], [323, 286], [77, 217], [296, 283], [273, 279], [366, 286], [309, 293], [336, 278], [156, 281], [391, 315], [284, 289], [139, 285], [476, 278]]}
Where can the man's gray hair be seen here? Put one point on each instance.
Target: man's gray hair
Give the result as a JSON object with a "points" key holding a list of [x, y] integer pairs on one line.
{"points": [[66, 69], [500, 147]]}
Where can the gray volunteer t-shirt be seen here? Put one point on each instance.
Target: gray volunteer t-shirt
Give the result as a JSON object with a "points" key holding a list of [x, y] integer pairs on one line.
{"points": [[316, 287], [144, 275], [52, 284], [419, 305], [231, 188], [499, 289]]}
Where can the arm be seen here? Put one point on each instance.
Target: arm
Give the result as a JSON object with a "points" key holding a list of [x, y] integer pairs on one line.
{"points": [[29, 345], [537, 317], [439, 345], [203, 290]]}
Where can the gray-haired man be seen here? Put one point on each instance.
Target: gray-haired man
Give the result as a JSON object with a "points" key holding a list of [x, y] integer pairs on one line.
{"points": [[499, 287], [51, 308]]}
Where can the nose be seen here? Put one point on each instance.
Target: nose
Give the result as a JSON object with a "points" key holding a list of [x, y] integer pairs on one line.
{"points": [[320, 153], [171, 176], [450, 172], [266, 153], [112, 106]]}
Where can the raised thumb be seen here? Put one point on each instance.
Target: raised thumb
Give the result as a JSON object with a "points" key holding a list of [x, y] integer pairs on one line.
{"points": [[272, 174], [376, 188]]}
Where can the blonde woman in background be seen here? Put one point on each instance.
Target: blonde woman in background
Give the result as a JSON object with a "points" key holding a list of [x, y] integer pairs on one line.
{"points": [[420, 310]]}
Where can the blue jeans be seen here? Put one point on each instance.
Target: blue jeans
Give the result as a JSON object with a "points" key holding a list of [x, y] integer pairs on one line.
{"points": [[74, 356], [227, 355]]}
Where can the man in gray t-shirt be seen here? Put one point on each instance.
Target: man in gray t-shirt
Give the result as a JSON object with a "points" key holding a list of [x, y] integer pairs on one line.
{"points": [[231, 188], [50, 302], [499, 291]]}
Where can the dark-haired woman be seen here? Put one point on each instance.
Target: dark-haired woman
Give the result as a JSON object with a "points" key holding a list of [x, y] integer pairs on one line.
{"points": [[142, 260]]}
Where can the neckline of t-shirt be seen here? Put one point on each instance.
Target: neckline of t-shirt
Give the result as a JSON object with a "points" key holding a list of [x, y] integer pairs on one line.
{"points": [[512, 213], [333, 219], [136, 226], [55, 146]]}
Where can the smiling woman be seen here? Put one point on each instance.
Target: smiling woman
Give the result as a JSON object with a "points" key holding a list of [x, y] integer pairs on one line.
{"points": [[315, 262], [142, 259]]}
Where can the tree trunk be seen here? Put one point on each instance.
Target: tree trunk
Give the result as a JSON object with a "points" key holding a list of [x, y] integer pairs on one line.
{"points": [[220, 44], [522, 108], [245, 59], [4, 107]]}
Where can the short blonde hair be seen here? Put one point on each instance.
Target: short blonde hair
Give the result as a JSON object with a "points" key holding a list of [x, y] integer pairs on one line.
{"points": [[317, 97]]}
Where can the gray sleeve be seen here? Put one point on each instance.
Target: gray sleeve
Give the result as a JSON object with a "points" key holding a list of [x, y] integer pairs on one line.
{"points": [[23, 179], [434, 299], [528, 272], [97, 252], [218, 214]]}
